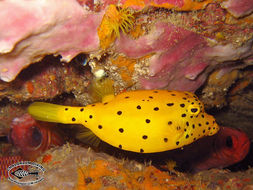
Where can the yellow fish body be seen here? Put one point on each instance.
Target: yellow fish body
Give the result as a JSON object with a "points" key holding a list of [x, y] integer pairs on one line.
{"points": [[142, 121]]}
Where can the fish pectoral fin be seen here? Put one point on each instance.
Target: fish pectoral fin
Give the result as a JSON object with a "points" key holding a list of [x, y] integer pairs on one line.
{"points": [[102, 90], [86, 136]]}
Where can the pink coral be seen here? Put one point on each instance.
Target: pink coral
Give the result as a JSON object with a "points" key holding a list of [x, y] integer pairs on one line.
{"points": [[182, 59], [44, 27], [239, 8]]}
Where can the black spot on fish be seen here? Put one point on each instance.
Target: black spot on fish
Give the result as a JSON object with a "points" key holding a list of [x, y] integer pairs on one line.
{"points": [[191, 116], [147, 120], [90, 116], [143, 100], [105, 103], [144, 136], [177, 143], [155, 91], [100, 126], [151, 97], [66, 109], [200, 124], [193, 126], [173, 94], [191, 134], [194, 110], [209, 128], [185, 129], [85, 121], [120, 146], [165, 139], [207, 123], [81, 110], [121, 130], [182, 105], [170, 104], [192, 103], [138, 107], [141, 150], [184, 98], [187, 136], [126, 97], [119, 112], [178, 128], [187, 123], [93, 105], [169, 122], [156, 108], [202, 116], [73, 119], [194, 139], [183, 115], [186, 94], [204, 131]]}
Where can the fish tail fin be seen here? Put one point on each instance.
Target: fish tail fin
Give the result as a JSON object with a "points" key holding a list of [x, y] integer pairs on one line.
{"points": [[54, 113], [102, 89]]}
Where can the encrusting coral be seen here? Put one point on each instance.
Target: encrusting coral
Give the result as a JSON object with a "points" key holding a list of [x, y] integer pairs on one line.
{"points": [[114, 20], [78, 168]]}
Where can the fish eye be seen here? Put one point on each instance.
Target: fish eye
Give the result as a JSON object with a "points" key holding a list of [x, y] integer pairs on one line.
{"points": [[193, 109], [229, 142], [36, 136]]}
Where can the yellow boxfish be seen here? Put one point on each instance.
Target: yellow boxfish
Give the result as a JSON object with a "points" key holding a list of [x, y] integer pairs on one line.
{"points": [[143, 121]]}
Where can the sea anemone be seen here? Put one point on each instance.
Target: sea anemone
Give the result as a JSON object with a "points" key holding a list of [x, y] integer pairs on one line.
{"points": [[114, 20]]}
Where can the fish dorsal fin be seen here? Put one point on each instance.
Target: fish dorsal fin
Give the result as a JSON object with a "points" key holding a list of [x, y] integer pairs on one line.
{"points": [[88, 137], [102, 90]]}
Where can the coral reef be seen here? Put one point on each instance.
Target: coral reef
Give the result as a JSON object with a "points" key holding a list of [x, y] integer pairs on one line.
{"points": [[42, 27], [214, 94], [182, 57], [239, 112], [74, 167], [182, 5], [45, 80], [218, 38], [115, 18], [203, 46], [238, 8]]}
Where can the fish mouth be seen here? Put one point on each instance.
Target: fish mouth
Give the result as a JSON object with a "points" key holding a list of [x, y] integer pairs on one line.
{"points": [[245, 145], [245, 150]]}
